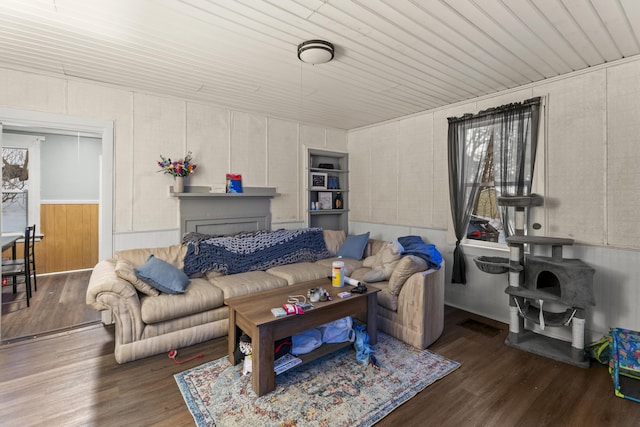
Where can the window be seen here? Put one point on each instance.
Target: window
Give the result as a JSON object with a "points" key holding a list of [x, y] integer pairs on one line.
{"points": [[491, 154], [20, 182], [15, 186], [485, 223]]}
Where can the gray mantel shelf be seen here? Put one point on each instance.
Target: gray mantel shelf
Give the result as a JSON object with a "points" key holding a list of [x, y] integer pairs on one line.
{"points": [[203, 191], [224, 213]]}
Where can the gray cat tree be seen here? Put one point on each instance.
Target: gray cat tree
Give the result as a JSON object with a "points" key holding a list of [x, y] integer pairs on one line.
{"points": [[543, 290]]}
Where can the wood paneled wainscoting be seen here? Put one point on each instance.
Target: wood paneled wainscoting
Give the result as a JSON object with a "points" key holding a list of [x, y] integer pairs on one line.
{"points": [[70, 237]]}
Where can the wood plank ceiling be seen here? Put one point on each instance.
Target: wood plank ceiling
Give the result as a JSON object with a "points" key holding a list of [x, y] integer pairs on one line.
{"points": [[393, 57]]}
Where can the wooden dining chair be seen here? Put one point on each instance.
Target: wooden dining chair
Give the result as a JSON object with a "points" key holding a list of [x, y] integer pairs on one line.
{"points": [[32, 256], [21, 267]]}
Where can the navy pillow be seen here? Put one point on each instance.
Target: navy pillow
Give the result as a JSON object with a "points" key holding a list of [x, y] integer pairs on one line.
{"points": [[162, 276], [354, 246]]}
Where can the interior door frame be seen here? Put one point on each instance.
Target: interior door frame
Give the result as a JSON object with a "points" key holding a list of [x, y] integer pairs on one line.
{"points": [[30, 120]]}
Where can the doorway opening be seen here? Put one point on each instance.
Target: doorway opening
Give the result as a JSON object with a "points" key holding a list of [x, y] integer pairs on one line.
{"points": [[69, 286]]}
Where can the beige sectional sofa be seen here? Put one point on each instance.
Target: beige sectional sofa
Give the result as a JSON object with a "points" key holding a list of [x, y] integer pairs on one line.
{"points": [[410, 306]]}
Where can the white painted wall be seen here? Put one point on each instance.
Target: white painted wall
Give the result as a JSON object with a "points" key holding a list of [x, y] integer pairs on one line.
{"points": [[399, 186], [265, 150], [64, 159]]}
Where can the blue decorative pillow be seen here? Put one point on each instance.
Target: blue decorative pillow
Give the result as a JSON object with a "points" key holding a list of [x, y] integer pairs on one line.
{"points": [[354, 246], [162, 276]]}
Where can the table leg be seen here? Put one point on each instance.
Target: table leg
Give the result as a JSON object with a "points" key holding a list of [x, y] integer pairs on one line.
{"points": [[232, 338], [263, 377], [372, 318]]}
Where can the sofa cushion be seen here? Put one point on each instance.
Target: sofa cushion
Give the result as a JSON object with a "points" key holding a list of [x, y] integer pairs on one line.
{"points": [[381, 252], [373, 247], [162, 276], [173, 254], [354, 246], [300, 272], [374, 275], [211, 274], [383, 263], [334, 239], [350, 265], [200, 296], [370, 261], [407, 266], [235, 285], [125, 270], [359, 273]]}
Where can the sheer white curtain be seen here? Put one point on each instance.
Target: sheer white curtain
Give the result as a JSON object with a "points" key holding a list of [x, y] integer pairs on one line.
{"points": [[468, 140], [514, 151]]}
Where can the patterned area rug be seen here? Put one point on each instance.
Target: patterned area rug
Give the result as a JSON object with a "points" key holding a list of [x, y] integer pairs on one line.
{"points": [[334, 390]]}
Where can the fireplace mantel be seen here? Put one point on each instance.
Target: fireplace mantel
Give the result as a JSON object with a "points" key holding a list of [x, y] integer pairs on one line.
{"points": [[202, 191], [224, 213]]}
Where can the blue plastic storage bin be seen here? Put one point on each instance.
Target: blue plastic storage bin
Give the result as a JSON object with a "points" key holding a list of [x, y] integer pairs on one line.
{"points": [[624, 364]]}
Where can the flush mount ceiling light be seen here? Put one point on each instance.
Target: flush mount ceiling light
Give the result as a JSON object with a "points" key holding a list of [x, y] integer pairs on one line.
{"points": [[315, 52]]}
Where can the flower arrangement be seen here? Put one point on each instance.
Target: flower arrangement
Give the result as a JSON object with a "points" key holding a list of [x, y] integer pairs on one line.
{"points": [[179, 168]]}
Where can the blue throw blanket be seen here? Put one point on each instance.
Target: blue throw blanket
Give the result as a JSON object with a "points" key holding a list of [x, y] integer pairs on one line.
{"points": [[253, 251], [414, 245]]}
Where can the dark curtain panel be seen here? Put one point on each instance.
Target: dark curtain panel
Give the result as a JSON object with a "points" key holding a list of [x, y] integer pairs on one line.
{"points": [[515, 142], [468, 140]]}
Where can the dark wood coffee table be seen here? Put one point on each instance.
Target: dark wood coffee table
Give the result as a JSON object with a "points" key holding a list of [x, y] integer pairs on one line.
{"points": [[252, 314]]}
